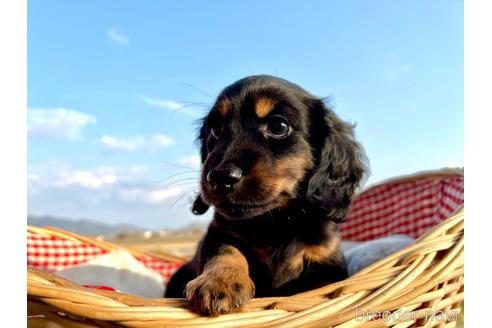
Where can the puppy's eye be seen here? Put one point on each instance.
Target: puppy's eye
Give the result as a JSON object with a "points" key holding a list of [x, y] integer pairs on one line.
{"points": [[215, 131], [277, 127]]}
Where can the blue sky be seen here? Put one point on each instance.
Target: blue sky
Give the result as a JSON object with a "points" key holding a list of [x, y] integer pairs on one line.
{"points": [[107, 82]]}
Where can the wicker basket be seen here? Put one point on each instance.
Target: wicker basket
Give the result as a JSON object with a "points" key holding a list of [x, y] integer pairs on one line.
{"points": [[419, 286]]}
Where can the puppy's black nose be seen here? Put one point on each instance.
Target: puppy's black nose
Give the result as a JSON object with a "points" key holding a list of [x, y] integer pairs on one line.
{"points": [[224, 179]]}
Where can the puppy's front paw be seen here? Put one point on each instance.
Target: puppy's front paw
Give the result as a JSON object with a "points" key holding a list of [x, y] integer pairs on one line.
{"points": [[222, 289]]}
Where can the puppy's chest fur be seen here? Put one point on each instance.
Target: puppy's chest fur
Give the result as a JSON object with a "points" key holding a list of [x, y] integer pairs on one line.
{"points": [[279, 260], [288, 262]]}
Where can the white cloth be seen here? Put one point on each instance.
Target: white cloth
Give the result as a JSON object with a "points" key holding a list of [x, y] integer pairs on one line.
{"points": [[120, 270]]}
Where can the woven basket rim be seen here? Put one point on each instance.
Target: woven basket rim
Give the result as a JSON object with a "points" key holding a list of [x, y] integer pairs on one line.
{"points": [[427, 275]]}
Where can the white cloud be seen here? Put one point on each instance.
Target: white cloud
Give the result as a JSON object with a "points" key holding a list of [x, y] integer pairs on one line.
{"points": [[128, 144], [192, 161], [161, 103], [110, 194], [92, 179], [162, 140], [115, 184], [151, 196], [171, 105], [137, 142], [117, 37], [61, 175], [160, 195], [57, 123], [88, 179]]}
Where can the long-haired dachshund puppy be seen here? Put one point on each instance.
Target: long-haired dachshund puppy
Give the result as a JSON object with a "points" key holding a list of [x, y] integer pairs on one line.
{"points": [[280, 168]]}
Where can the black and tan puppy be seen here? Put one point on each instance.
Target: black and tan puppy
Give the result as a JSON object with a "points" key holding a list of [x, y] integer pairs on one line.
{"points": [[280, 168]]}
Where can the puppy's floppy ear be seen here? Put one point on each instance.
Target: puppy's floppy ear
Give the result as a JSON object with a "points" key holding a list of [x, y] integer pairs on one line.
{"points": [[341, 162], [199, 207]]}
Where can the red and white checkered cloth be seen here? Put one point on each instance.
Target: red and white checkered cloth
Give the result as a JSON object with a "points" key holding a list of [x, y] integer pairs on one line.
{"points": [[166, 269], [54, 253], [406, 206]]}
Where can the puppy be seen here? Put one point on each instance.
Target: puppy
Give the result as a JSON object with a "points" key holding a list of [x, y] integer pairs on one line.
{"points": [[280, 168]]}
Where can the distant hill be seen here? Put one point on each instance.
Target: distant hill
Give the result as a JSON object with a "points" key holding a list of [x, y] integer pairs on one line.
{"points": [[198, 226], [82, 226]]}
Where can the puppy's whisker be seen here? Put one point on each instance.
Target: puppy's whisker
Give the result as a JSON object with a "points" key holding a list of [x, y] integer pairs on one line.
{"points": [[177, 200], [186, 202], [178, 174], [199, 90], [195, 103], [180, 182], [187, 195], [182, 166], [186, 183], [185, 106]]}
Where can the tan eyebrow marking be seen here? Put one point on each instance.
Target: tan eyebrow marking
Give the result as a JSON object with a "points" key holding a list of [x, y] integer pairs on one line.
{"points": [[264, 106]]}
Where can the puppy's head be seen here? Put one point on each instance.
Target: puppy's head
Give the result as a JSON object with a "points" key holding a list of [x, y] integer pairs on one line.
{"points": [[266, 142]]}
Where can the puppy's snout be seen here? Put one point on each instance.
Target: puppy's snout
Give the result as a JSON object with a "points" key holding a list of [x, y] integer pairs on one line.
{"points": [[225, 178]]}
